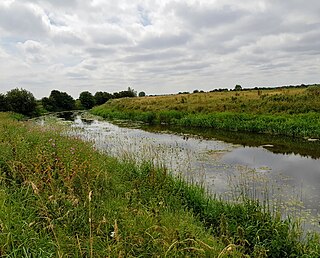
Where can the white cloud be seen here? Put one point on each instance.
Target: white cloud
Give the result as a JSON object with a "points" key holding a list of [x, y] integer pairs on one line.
{"points": [[161, 46]]}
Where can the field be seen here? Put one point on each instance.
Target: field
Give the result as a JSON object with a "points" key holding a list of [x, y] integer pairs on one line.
{"points": [[60, 197], [283, 111]]}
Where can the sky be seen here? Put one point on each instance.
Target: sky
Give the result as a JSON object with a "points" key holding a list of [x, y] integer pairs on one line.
{"points": [[158, 46]]}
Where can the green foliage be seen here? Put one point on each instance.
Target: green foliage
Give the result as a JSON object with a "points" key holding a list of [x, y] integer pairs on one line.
{"points": [[238, 87], [86, 99], [314, 90], [130, 93], [102, 97], [21, 101], [3, 103], [142, 94], [58, 101]]}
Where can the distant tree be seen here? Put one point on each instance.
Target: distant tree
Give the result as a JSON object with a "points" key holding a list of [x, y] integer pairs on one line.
{"points": [[21, 101], [3, 103], [133, 92], [102, 97], [58, 101], [86, 99], [238, 87], [130, 93], [142, 94], [196, 91]]}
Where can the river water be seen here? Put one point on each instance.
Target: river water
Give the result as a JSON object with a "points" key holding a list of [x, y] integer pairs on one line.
{"points": [[281, 171]]}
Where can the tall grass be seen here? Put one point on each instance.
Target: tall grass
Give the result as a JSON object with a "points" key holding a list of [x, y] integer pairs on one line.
{"points": [[293, 112], [299, 125], [60, 197]]}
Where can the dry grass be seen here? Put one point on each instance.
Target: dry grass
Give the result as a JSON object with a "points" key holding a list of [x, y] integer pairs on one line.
{"points": [[204, 102]]}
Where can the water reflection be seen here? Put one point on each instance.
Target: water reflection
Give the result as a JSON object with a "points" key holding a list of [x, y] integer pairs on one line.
{"points": [[264, 166], [67, 115], [299, 172], [275, 144]]}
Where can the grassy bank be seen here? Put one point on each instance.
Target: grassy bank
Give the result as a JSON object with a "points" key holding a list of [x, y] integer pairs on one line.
{"points": [[59, 197], [292, 112]]}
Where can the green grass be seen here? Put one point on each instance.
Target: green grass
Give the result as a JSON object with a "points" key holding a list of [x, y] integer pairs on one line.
{"points": [[59, 197], [291, 112]]}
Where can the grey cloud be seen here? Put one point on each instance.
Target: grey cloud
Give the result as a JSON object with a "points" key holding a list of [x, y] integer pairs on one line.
{"points": [[182, 67], [67, 38], [164, 41], [203, 17], [90, 67], [57, 3], [308, 44], [20, 20], [100, 52], [190, 67], [77, 76], [154, 56], [106, 38]]}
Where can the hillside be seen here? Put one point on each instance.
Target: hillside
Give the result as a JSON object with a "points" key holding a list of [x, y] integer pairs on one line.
{"points": [[288, 111]]}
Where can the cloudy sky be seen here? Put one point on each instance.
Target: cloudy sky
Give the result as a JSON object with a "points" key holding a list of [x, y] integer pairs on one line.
{"points": [[158, 46]]}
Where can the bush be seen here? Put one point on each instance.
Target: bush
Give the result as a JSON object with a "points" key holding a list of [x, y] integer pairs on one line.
{"points": [[21, 101], [313, 90]]}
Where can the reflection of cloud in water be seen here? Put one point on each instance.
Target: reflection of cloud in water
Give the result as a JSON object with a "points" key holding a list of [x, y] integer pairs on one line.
{"points": [[300, 172]]}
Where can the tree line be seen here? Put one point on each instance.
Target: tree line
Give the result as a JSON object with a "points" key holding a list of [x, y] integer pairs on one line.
{"points": [[23, 102]]}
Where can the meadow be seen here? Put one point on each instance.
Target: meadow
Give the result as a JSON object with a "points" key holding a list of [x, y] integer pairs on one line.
{"points": [[60, 197], [282, 111]]}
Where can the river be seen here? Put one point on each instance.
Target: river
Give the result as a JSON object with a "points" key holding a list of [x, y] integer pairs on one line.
{"points": [[281, 171]]}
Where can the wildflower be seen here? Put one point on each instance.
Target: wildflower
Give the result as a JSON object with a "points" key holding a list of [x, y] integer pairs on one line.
{"points": [[112, 234]]}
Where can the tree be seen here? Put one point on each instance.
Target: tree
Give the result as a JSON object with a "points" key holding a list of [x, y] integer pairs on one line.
{"points": [[3, 103], [102, 97], [58, 101], [238, 87], [124, 94], [132, 91], [142, 94], [86, 99], [21, 101]]}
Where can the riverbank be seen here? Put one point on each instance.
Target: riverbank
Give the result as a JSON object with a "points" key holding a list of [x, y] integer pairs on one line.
{"points": [[291, 112], [61, 197]]}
